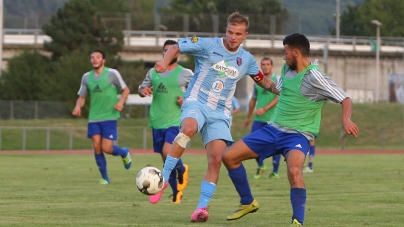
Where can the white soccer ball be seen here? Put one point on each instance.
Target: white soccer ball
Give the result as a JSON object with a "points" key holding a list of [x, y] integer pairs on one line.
{"points": [[149, 180]]}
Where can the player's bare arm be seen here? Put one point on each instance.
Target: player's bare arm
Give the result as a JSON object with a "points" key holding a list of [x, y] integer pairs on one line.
{"points": [[265, 83], [349, 127], [79, 103], [161, 66], [145, 91], [119, 105]]}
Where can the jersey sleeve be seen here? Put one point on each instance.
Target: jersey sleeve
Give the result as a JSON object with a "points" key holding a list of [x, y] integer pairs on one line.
{"points": [[117, 79], [252, 67], [184, 78], [194, 45], [147, 82], [83, 91], [325, 87]]}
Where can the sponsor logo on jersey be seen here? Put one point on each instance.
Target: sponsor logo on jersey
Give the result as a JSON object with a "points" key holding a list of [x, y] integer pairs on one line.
{"points": [[224, 69], [212, 94], [239, 61], [298, 145], [97, 89], [217, 86], [194, 39], [161, 88]]}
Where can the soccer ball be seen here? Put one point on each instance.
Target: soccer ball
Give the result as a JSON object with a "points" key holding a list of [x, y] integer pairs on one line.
{"points": [[149, 180]]}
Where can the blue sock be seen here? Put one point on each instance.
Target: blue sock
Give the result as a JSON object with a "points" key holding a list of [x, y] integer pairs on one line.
{"points": [[239, 178], [276, 161], [207, 190], [173, 181], [102, 165], [298, 200], [169, 165], [118, 151], [259, 162], [312, 153], [180, 167]]}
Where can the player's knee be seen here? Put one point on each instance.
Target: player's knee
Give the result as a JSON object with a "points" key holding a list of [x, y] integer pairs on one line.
{"points": [[182, 140]]}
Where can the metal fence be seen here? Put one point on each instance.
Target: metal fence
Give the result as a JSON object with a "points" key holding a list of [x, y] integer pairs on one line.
{"points": [[14, 109]]}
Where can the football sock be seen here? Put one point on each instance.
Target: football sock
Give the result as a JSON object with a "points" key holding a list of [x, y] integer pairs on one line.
{"points": [[102, 165], [173, 181], [169, 165], [276, 161], [207, 190], [260, 162], [180, 167], [298, 200], [239, 178], [311, 156], [118, 151]]}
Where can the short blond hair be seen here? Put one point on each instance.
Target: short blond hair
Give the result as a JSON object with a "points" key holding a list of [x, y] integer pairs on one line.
{"points": [[236, 19]]}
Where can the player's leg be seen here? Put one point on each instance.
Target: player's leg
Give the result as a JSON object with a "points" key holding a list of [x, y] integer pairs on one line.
{"points": [[312, 153], [260, 144], [276, 159], [214, 150], [260, 162], [189, 127], [169, 136], [94, 132], [232, 158], [295, 160], [109, 135]]}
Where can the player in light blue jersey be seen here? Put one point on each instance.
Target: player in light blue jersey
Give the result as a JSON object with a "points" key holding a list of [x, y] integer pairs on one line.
{"points": [[219, 64]]}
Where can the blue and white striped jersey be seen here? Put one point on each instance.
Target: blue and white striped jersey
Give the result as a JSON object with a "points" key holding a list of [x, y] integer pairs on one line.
{"points": [[216, 71]]}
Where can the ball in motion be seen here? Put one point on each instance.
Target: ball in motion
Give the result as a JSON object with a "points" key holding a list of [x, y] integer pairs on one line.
{"points": [[149, 180]]}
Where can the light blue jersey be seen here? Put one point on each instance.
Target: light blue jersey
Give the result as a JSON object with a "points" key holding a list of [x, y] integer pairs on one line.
{"points": [[216, 72]]}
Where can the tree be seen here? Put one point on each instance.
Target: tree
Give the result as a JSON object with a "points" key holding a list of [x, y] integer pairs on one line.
{"points": [[26, 77], [79, 24], [258, 11], [356, 21]]}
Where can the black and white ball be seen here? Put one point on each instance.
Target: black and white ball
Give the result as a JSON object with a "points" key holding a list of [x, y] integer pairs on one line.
{"points": [[149, 180]]}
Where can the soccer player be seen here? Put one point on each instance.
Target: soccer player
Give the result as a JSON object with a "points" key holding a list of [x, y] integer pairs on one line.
{"points": [[219, 64], [102, 83], [303, 89], [265, 102], [168, 89]]}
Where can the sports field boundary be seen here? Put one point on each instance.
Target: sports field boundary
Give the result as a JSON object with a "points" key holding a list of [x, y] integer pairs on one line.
{"points": [[193, 151]]}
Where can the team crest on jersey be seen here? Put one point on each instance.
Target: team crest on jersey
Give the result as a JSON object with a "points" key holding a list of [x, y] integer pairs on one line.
{"points": [[217, 86], [194, 39], [223, 69], [239, 61]]}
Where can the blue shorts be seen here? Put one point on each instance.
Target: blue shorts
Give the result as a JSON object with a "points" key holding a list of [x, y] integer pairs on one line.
{"points": [[107, 129], [212, 124], [160, 136], [269, 141], [258, 125]]}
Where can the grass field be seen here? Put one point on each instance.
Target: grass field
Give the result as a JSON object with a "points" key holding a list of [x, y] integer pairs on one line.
{"points": [[62, 190]]}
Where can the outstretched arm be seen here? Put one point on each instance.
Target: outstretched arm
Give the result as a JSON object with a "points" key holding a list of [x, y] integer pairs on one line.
{"points": [[161, 66], [349, 127], [265, 83]]}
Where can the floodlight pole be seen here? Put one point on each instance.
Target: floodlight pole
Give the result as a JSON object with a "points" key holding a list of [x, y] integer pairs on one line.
{"points": [[337, 17], [378, 24]]}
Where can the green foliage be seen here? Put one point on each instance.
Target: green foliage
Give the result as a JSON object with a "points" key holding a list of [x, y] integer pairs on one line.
{"points": [[70, 32], [200, 12], [26, 77], [356, 21]]}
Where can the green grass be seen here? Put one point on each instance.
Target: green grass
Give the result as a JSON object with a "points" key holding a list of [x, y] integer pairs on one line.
{"points": [[63, 190], [380, 125]]}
